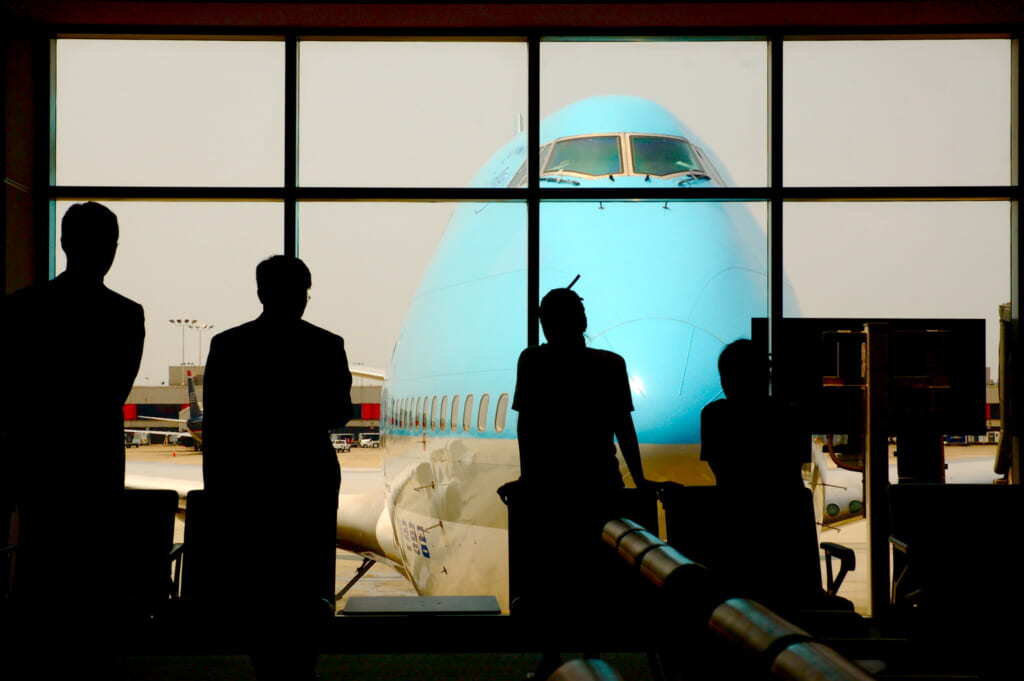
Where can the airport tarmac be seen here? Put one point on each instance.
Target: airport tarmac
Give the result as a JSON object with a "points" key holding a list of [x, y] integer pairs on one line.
{"points": [[383, 580]]}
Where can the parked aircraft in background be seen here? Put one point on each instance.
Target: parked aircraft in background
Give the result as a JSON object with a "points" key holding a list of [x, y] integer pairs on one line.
{"points": [[839, 491], [193, 423]]}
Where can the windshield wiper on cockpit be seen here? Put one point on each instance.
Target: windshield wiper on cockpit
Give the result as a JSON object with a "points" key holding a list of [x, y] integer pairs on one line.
{"points": [[559, 179], [693, 176]]}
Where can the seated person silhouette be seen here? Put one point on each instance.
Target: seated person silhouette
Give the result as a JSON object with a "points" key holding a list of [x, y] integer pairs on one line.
{"points": [[274, 389], [756, 446], [749, 439]]}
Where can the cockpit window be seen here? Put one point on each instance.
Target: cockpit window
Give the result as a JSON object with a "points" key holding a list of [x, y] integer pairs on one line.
{"points": [[519, 179], [586, 155], [663, 156]]}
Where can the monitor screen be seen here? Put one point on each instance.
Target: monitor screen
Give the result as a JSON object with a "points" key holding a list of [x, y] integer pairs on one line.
{"points": [[936, 371]]}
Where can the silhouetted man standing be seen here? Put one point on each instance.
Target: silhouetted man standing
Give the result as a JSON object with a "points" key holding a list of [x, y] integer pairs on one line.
{"points": [[274, 388], [72, 348], [573, 403]]}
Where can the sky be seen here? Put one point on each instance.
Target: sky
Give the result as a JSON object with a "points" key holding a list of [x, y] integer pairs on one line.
{"points": [[210, 113]]}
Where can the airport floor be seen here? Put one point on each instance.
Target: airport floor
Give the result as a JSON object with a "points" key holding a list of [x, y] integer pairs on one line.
{"points": [[363, 667]]}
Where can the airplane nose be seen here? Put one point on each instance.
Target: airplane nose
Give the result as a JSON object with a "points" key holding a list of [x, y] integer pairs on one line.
{"points": [[673, 372]]}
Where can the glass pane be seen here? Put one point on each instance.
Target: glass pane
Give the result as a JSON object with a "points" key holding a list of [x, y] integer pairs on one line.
{"points": [[713, 94], [367, 260], [662, 155], [170, 112], [897, 112], [919, 259], [194, 261], [666, 285], [586, 155], [415, 114]]}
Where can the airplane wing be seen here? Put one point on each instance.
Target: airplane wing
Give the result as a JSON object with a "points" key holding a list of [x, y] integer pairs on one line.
{"points": [[182, 478], [161, 418], [366, 373]]}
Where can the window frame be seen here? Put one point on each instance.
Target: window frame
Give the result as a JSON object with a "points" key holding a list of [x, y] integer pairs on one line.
{"points": [[775, 194]]}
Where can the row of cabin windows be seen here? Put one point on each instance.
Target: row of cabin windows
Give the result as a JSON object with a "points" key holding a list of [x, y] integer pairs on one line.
{"points": [[433, 413]]}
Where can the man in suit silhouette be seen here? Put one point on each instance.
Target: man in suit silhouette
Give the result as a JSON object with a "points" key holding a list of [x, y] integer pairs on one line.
{"points": [[274, 389], [73, 347]]}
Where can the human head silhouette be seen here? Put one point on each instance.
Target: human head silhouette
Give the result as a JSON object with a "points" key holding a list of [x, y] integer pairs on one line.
{"points": [[89, 234], [282, 284], [562, 316], [743, 371]]}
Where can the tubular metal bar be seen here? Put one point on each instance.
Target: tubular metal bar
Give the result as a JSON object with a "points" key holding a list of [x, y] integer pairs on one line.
{"points": [[615, 530], [809, 660], [585, 670], [754, 628], [634, 545]]}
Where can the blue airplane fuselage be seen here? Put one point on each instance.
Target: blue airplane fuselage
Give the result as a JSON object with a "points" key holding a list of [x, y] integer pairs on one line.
{"points": [[666, 285]]}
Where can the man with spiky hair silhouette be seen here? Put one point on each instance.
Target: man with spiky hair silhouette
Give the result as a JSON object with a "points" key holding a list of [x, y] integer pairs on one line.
{"points": [[567, 438], [574, 402]]}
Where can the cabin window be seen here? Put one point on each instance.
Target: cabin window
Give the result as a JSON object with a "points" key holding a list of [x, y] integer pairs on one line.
{"points": [[419, 412], [433, 412], [501, 413], [455, 412], [481, 415], [444, 412], [467, 412]]}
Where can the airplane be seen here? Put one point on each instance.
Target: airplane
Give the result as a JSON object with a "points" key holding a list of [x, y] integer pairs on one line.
{"points": [[667, 285], [194, 422], [839, 487]]}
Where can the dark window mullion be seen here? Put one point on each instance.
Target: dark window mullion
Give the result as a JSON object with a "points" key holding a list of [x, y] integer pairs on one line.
{"points": [[533, 194], [291, 144], [775, 185]]}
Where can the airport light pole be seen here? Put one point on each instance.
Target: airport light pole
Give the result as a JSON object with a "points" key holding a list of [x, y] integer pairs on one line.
{"points": [[200, 328], [182, 323]]}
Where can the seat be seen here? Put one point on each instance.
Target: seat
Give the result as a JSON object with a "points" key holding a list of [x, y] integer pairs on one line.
{"points": [[950, 545], [195, 582], [538, 543], [954, 587], [138, 548], [779, 564]]}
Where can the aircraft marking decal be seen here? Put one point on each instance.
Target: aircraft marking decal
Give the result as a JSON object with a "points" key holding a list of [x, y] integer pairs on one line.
{"points": [[415, 538]]}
